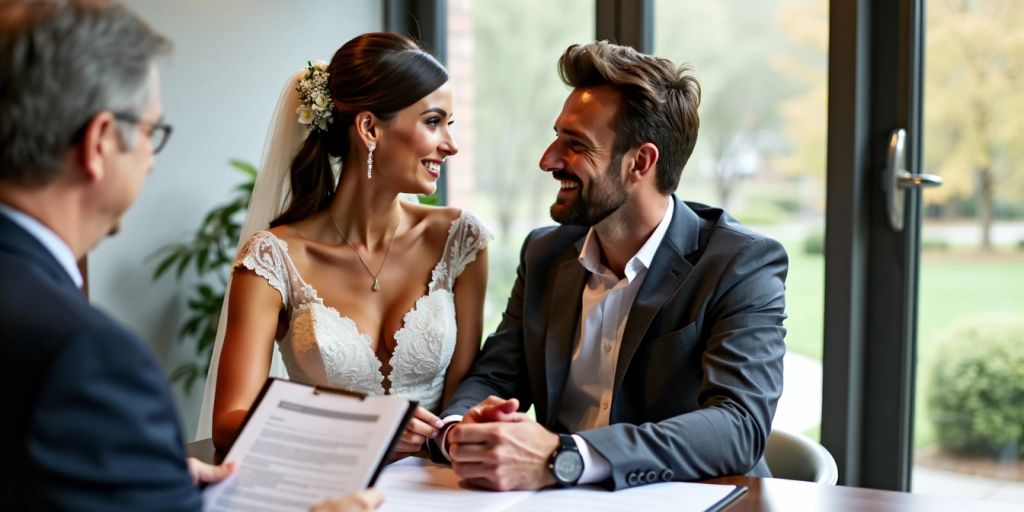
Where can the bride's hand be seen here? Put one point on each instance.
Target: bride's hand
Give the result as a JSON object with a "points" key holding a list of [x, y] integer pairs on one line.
{"points": [[423, 425]]}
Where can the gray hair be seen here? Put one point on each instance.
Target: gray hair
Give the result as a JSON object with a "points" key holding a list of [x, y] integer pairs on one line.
{"points": [[61, 63]]}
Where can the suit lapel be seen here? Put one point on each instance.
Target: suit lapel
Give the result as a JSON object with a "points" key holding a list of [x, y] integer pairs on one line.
{"points": [[668, 270], [563, 315]]}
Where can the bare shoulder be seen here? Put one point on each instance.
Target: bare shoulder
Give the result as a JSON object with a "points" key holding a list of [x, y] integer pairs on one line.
{"points": [[295, 239], [434, 221]]}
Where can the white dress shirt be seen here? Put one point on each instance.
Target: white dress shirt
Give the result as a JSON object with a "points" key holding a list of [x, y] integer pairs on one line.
{"points": [[53, 243], [587, 399]]}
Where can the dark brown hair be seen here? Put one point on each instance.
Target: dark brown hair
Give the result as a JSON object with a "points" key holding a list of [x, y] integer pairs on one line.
{"points": [[659, 101], [379, 72]]}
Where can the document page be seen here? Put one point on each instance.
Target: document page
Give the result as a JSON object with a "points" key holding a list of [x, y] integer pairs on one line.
{"points": [[667, 497], [301, 445], [418, 485], [415, 485]]}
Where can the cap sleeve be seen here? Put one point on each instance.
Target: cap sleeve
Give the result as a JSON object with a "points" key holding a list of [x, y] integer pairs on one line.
{"points": [[264, 255], [466, 237]]}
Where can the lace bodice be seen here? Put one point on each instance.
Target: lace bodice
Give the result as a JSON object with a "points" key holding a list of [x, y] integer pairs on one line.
{"points": [[325, 347]]}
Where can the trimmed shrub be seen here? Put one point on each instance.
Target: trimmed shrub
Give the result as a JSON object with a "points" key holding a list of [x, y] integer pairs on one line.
{"points": [[815, 244], [934, 244], [976, 396]]}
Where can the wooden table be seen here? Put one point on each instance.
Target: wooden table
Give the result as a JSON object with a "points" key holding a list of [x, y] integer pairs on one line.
{"points": [[776, 494]]}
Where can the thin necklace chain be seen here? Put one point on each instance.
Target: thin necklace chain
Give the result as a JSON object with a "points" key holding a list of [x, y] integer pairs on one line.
{"points": [[376, 277]]}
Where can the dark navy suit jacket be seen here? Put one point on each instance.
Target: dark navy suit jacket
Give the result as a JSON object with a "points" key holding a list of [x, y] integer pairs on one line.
{"points": [[699, 371], [89, 423]]}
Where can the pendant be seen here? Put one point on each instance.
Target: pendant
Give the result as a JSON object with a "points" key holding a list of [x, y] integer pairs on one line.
{"points": [[376, 285]]}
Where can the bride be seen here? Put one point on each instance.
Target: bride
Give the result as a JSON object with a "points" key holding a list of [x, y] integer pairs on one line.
{"points": [[360, 289]]}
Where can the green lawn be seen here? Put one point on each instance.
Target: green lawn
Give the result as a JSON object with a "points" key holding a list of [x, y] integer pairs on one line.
{"points": [[954, 285], [805, 292]]}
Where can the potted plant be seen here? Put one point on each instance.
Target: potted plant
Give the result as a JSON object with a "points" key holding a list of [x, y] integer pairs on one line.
{"points": [[209, 253]]}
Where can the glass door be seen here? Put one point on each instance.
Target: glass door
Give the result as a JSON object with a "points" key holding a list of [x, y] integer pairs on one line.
{"points": [[969, 393]]}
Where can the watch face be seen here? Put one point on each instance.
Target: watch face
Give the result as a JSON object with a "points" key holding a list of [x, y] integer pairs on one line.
{"points": [[568, 466]]}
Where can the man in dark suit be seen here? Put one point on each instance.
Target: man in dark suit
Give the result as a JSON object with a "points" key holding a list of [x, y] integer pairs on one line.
{"points": [[90, 424], [88, 419], [646, 331]]}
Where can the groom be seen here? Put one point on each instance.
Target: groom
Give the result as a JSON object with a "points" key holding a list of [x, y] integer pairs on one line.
{"points": [[646, 331]]}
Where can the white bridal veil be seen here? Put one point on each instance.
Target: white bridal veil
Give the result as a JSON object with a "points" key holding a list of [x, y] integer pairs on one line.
{"points": [[268, 200]]}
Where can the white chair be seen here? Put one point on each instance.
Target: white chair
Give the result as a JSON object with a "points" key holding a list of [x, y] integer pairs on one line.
{"points": [[796, 457]]}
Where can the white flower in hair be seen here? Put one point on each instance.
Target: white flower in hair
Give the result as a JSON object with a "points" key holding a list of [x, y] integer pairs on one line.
{"points": [[320, 101], [305, 115], [316, 111]]}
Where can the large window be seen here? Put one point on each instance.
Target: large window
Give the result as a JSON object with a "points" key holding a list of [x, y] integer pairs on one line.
{"points": [[760, 154], [503, 61]]}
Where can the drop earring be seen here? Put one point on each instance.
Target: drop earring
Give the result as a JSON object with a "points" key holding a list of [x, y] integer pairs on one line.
{"points": [[369, 160]]}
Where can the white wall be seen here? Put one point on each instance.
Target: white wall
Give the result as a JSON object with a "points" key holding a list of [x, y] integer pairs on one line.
{"points": [[231, 59]]}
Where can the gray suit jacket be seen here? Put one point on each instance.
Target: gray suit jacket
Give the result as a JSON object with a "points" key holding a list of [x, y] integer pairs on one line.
{"points": [[699, 371]]}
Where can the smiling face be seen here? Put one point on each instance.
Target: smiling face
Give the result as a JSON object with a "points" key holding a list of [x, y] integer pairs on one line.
{"points": [[582, 158], [413, 145]]}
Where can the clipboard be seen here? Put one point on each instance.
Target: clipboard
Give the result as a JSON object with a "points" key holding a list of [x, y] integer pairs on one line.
{"points": [[318, 389], [301, 443]]}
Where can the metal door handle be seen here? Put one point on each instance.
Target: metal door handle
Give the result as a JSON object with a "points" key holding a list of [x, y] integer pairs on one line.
{"points": [[896, 180], [906, 180]]}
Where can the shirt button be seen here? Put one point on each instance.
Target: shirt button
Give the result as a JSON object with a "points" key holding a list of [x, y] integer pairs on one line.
{"points": [[604, 404], [607, 347]]}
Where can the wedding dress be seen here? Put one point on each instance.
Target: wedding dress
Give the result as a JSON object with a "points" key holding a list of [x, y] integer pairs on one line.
{"points": [[325, 347]]}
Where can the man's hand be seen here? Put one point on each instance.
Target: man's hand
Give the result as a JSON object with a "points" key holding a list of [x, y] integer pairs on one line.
{"points": [[203, 473], [363, 501], [508, 455]]}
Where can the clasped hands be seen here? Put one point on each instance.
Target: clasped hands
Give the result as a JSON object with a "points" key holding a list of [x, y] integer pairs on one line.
{"points": [[498, 448], [494, 446]]}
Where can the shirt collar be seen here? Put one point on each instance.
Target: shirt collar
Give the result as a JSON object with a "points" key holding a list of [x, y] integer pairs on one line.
{"points": [[590, 254], [53, 243]]}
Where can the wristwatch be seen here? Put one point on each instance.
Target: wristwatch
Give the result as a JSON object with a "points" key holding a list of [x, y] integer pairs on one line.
{"points": [[566, 463]]}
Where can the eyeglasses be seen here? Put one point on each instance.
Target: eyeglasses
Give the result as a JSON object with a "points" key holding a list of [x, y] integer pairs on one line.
{"points": [[158, 133]]}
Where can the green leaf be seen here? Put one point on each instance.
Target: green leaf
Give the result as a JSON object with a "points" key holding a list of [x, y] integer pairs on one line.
{"points": [[164, 265], [245, 167], [183, 264], [188, 372], [201, 258], [191, 327], [205, 291]]}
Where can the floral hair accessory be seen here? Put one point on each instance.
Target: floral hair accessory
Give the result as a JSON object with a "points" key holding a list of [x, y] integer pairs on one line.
{"points": [[315, 110]]}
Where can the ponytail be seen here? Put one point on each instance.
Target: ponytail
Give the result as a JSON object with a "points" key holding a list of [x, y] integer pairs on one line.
{"points": [[312, 175]]}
